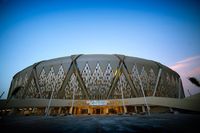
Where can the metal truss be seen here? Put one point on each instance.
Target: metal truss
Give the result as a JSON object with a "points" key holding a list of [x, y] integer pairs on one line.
{"points": [[33, 76], [116, 78], [73, 69], [157, 81], [122, 69]]}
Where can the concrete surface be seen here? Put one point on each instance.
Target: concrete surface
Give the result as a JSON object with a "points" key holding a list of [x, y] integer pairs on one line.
{"points": [[155, 123]]}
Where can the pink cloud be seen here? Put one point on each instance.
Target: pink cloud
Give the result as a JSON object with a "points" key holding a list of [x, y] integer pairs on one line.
{"points": [[190, 59], [189, 67], [188, 62], [178, 66]]}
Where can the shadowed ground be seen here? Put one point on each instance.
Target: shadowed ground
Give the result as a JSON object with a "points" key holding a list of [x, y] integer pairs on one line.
{"points": [[164, 123]]}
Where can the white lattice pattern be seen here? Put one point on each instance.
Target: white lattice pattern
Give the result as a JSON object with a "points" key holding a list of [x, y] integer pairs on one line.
{"points": [[51, 82], [122, 84], [144, 78], [73, 86], [135, 77], [42, 83], [148, 80], [108, 75], [32, 91], [87, 75], [98, 82], [42, 78], [59, 78], [151, 82]]}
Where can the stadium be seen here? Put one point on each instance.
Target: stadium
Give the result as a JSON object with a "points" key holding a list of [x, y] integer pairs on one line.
{"points": [[95, 84]]}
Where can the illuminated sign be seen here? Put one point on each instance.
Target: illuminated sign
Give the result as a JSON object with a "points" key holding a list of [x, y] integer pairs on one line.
{"points": [[97, 102]]}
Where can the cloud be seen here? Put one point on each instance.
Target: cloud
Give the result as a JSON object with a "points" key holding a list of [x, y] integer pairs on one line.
{"points": [[188, 62], [189, 67], [178, 66], [190, 59]]}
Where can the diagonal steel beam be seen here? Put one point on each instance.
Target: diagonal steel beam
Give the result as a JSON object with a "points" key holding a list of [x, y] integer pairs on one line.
{"points": [[157, 81], [142, 89], [80, 79], [115, 80], [61, 92], [73, 69], [116, 76], [35, 77], [126, 74]]}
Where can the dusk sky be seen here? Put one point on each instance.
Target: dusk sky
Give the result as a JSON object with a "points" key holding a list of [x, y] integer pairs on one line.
{"points": [[167, 31]]}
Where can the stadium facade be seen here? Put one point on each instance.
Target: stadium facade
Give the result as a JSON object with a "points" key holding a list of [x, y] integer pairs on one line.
{"points": [[94, 84]]}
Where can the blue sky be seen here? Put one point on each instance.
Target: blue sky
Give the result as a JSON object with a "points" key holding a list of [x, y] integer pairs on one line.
{"points": [[167, 31]]}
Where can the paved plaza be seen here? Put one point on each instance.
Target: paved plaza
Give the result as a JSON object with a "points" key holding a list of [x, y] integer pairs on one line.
{"points": [[164, 123]]}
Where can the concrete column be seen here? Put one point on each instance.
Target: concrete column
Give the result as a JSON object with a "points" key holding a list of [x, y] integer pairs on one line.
{"points": [[89, 110], [143, 108], [71, 110], [59, 110], [34, 110], [135, 109], [106, 110], [125, 109]]}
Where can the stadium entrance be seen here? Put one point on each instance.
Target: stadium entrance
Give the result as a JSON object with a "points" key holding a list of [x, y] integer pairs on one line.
{"points": [[97, 110]]}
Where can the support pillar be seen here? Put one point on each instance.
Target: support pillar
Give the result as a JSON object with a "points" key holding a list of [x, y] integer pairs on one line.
{"points": [[143, 108], [49, 104], [59, 110], [145, 100], [135, 109], [89, 110], [33, 110], [125, 110], [106, 110], [157, 81], [71, 110]]}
